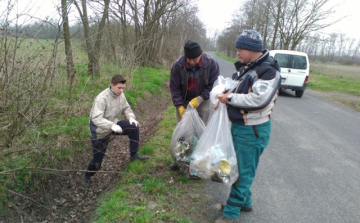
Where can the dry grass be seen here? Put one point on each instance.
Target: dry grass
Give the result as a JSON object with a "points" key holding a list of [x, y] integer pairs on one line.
{"points": [[336, 70]]}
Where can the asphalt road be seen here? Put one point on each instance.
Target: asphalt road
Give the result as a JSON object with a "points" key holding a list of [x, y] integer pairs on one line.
{"points": [[310, 172]]}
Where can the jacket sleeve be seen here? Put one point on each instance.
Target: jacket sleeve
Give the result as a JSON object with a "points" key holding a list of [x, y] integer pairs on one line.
{"points": [[262, 93], [175, 86], [213, 76], [97, 116]]}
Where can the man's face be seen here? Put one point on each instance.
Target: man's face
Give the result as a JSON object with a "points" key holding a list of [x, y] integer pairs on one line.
{"points": [[194, 61], [117, 89], [245, 56]]}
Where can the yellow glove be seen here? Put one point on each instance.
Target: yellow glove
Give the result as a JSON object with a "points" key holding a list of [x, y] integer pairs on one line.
{"points": [[195, 102], [181, 110]]}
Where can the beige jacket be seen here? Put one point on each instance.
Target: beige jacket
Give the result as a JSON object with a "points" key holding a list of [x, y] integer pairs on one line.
{"points": [[106, 110]]}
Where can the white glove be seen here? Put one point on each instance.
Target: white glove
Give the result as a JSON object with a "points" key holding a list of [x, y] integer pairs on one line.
{"points": [[133, 121], [116, 128]]}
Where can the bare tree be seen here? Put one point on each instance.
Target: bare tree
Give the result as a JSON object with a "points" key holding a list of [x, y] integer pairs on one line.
{"points": [[350, 46], [332, 46], [301, 18], [342, 38], [68, 50], [93, 47], [150, 19], [28, 73], [277, 13]]}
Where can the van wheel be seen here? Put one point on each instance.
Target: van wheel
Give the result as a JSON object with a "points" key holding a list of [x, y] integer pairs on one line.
{"points": [[299, 93]]}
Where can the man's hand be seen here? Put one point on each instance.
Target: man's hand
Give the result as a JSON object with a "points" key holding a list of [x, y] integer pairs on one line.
{"points": [[217, 103], [133, 121], [116, 128], [195, 102], [223, 97], [181, 110]]}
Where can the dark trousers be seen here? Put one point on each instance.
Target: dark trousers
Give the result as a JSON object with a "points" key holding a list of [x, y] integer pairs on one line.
{"points": [[99, 146]]}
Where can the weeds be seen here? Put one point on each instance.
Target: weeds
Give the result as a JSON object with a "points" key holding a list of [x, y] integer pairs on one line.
{"points": [[153, 193], [63, 131]]}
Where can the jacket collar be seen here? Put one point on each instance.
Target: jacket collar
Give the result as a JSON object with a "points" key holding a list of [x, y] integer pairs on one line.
{"points": [[112, 93]]}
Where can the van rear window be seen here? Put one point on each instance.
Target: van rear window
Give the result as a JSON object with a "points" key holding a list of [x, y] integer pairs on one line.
{"points": [[291, 61]]}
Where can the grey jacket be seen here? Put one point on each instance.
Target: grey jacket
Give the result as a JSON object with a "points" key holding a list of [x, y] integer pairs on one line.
{"points": [[252, 101]]}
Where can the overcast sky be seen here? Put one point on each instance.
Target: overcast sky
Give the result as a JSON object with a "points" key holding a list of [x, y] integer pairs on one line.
{"points": [[216, 14]]}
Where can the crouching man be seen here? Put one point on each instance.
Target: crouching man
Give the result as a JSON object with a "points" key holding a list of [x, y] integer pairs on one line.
{"points": [[107, 107]]}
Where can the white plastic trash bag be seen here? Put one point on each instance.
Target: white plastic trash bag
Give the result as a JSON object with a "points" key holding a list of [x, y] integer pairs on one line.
{"points": [[222, 85], [186, 135], [214, 156]]}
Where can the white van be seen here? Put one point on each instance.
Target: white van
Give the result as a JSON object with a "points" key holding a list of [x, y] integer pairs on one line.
{"points": [[295, 68]]}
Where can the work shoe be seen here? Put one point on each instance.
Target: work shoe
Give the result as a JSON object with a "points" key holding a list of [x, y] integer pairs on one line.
{"points": [[223, 219], [139, 157], [243, 209], [87, 181], [192, 177], [174, 166]]}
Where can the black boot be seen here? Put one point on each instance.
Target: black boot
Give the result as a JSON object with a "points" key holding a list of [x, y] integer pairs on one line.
{"points": [[174, 166], [139, 157], [87, 181]]}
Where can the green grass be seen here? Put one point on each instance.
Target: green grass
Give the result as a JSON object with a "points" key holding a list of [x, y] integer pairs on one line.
{"points": [[60, 135], [42, 48], [342, 84], [150, 182], [227, 58], [336, 78]]}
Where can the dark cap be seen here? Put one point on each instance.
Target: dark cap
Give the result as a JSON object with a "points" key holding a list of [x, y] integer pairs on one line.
{"points": [[249, 40], [192, 49]]}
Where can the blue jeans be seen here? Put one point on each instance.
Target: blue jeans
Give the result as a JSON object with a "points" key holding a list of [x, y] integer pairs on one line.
{"points": [[249, 143], [99, 146]]}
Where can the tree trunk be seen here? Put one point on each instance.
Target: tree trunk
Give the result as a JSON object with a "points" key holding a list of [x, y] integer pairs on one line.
{"points": [[92, 51], [277, 21], [68, 50]]}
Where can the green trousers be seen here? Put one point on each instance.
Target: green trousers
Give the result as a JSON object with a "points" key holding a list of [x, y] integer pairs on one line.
{"points": [[249, 143]]}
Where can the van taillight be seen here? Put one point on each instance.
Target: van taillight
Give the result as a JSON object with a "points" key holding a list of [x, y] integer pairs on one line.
{"points": [[306, 79]]}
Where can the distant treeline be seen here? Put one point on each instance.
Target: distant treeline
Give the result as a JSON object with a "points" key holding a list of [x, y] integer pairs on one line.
{"points": [[292, 25], [41, 30]]}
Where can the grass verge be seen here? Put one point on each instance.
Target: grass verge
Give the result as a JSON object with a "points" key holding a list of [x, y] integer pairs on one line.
{"points": [[48, 143], [149, 191], [337, 83], [342, 83], [226, 58]]}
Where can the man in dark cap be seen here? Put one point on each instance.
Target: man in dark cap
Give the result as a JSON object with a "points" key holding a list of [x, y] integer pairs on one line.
{"points": [[191, 80], [249, 108], [108, 106]]}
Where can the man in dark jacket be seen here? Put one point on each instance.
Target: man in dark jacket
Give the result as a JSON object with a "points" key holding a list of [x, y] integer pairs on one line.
{"points": [[191, 80], [249, 109]]}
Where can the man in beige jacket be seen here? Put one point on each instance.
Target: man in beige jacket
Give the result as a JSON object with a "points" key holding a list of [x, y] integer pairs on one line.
{"points": [[108, 106]]}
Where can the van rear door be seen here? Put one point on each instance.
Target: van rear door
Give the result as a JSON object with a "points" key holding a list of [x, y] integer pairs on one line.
{"points": [[294, 69]]}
